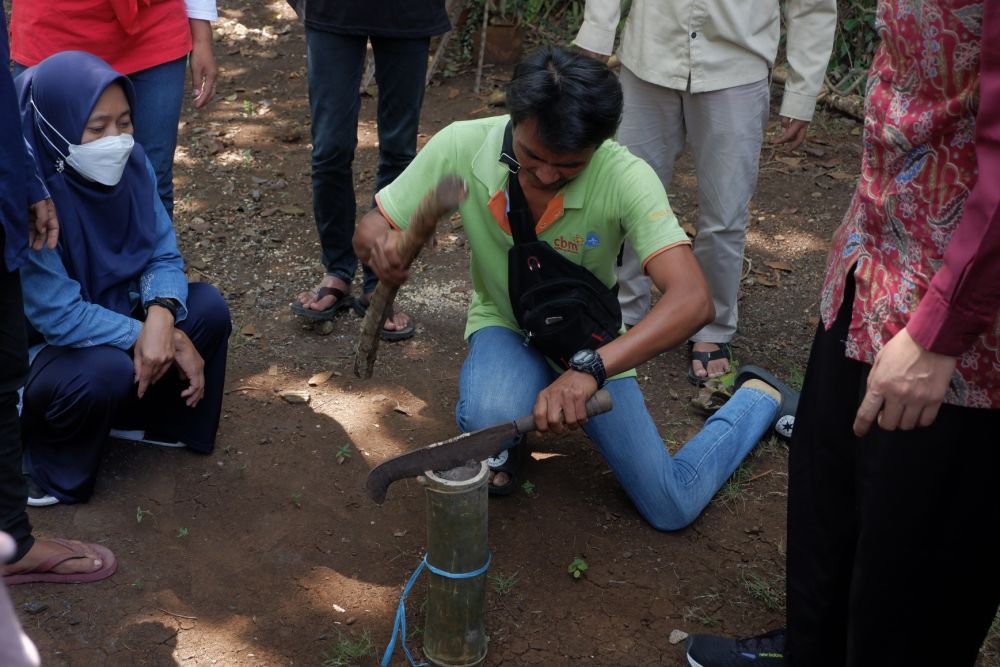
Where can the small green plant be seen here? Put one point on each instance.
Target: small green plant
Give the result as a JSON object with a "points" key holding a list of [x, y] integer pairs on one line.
{"points": [[242, 470], [227, 449], [344, 453], [348, 651], [246, 155], [701, 616], [732, 493], [795, 378], [577, 568], [141, 514], [182, 532], [247, 108], [137, 584], [503, 585], [528, 488], [762, 590], [297, 500]]}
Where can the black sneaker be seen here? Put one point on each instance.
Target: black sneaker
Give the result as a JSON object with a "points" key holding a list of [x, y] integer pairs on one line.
{"points": [[767, 650], [36, 496]]}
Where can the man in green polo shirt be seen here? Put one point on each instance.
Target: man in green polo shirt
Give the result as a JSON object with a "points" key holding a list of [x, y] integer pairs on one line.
{"points": [[586, 195]]}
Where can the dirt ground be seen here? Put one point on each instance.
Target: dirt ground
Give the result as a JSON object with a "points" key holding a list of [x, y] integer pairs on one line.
{"points": [[267, 552]]}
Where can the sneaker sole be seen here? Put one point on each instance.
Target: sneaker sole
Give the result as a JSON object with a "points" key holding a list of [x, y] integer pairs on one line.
{"points": [[140, 436], [44, 501], [692, 662]]}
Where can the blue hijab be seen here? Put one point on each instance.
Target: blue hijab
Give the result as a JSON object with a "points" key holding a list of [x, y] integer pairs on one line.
{"points": [[106, 234]]}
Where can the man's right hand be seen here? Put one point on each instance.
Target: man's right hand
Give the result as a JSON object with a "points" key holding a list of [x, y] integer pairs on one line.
{"points": [[385, 260], [154, 350]]}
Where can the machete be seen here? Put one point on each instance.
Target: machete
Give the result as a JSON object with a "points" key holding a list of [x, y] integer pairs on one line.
{"points": [[475, 446]]}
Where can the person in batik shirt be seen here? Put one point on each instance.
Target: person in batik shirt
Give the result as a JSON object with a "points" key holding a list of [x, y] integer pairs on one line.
{"points": [[893, 517]]}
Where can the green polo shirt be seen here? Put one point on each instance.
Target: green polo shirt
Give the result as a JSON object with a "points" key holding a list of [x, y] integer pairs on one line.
{"points": [[616, 197]]}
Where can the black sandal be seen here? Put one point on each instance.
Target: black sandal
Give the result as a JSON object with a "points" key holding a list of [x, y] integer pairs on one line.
{"points": [[361, 307], [724, 352], [343, 301]]}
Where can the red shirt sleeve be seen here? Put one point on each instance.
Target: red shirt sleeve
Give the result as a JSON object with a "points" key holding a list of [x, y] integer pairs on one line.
{"points": [[964, 295]]}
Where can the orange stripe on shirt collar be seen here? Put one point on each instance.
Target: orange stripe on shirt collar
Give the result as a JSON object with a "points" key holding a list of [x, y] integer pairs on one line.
{"points": [[498, 207]]}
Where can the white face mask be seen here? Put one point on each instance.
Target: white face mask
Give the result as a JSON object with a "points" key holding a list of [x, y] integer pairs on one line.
{"points": [[102, 160]]}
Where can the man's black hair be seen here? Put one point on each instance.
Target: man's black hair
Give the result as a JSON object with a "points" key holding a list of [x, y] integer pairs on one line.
{"points": [[576, 101]]}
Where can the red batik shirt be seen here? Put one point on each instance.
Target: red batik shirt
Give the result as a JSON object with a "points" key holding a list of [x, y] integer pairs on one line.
{"points": [[923, 227]]}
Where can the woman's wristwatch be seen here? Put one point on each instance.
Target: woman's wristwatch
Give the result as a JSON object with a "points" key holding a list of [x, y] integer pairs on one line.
{"points": [[169, 304]]}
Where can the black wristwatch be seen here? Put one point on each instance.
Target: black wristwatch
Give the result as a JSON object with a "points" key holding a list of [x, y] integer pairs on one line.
{"points": [[169, 304], [590, 362]]}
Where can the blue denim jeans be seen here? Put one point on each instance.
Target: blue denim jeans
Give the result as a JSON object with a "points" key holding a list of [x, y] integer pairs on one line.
{"points": [[335, 65], [501, 378], [159, 92]]}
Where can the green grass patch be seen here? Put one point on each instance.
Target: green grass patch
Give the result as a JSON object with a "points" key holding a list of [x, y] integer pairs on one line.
{"points": [[347, 651]]}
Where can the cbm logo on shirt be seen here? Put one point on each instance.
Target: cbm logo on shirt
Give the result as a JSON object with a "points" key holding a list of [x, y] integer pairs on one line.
{"points": [[576, 243]]}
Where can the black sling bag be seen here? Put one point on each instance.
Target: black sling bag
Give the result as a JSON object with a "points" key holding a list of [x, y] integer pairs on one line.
{"points": [[561, 307]]}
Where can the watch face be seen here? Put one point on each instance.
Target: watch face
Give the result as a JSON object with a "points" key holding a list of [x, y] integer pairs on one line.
{"points": [[582, 357]]}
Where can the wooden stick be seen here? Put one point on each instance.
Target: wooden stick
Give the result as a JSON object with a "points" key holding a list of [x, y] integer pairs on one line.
{"points": [[436, 204], [482, 47]]}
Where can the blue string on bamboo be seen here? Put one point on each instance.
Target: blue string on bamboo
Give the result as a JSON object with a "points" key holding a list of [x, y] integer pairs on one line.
{"points": [[399, 626]]}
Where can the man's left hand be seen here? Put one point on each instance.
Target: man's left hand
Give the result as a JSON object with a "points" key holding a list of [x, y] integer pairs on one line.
{"points": [[43, 225], [906, 386], [204, 71], [563, 404], [793, 132]]}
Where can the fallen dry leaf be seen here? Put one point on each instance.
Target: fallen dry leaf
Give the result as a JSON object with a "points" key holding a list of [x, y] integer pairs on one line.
{"points": [[295, 396], [272, 370], [320, 378], [841, 175], [249, 330], [689, 229], [401, 410], [780, 266]]}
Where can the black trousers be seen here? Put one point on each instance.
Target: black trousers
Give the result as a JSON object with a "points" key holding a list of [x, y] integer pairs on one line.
{"points": [[893, 538], [13, 371]]}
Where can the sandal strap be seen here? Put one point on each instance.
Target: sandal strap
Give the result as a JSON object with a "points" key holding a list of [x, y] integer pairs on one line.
{"points": [[55, 561], [328, 291]]}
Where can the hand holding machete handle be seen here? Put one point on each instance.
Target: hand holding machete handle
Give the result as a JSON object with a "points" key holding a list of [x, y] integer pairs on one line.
{"points": [[436, 204], [476, 446]]}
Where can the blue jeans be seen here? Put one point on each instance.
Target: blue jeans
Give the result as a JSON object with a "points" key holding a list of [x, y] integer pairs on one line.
{"points": [[501, 378], [335, 63], [159, 92]]}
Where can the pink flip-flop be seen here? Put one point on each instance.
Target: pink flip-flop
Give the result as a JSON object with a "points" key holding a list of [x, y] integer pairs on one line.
{"points": [[42, 573]]}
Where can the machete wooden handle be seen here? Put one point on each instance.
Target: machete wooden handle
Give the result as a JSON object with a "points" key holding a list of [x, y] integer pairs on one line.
{"points": [[436, 204], [597, 404]]}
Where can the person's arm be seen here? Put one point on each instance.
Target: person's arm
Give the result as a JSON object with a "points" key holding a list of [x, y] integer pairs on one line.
{"points": [[55, 308], [810, 29], [911, 373], [600, 23], [685, 307], [43, 224], [164, 276], [204, 70]]}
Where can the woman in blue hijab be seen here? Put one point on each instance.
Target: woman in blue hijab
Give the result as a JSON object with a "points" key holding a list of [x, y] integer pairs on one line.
{"points": [[122, 340]]}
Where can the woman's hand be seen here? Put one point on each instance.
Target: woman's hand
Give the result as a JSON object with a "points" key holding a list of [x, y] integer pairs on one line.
{"points": [[154, 350], [190, 366], [203, 69], [43, 227], [563, 404]]}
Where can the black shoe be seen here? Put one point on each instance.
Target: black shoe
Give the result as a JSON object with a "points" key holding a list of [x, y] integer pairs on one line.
{"points": [[36, 496], [767, 650]]}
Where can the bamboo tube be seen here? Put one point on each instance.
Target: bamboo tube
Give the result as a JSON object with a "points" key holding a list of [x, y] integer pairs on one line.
{"points": [[454, 629]]}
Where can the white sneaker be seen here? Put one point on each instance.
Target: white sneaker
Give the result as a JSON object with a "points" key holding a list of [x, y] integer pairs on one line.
{"points": [[37, 497]]}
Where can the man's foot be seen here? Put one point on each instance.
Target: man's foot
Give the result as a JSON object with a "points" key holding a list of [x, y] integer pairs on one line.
{"points": [[787, 398], [709, 360], [504, 468], [61, 561], [767, 650], [398, 326], [330, 297]]}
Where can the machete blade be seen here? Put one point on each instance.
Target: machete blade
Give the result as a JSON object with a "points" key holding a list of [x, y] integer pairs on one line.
{"points": [[475, 446]]}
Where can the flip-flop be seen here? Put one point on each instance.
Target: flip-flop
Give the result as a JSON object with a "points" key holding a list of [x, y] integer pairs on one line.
{"points": [[361, 307], [42, 573], [724, 352], [343, 301], [784, 420], [508, 461]]}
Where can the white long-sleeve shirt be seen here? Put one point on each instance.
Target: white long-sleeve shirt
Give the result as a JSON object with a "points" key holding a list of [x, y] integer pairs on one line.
{"points": [[706, 45], [201, 9]]}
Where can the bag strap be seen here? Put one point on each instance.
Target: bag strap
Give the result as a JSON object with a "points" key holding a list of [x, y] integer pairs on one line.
{"points": [[522, 224]]}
